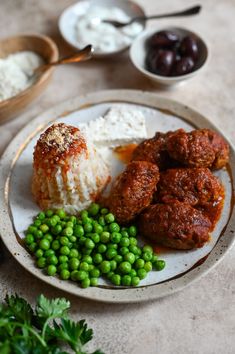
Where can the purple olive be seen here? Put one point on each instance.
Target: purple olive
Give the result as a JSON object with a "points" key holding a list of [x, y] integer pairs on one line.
{"points": [[189, 47], [163, 62], [184, 66], [164, 39]]}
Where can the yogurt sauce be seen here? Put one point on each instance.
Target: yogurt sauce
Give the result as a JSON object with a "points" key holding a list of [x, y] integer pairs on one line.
{"points": [[103, 36]]}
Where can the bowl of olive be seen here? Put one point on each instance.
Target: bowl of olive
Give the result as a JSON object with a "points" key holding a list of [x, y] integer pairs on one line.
{"points": [[170, 55]]}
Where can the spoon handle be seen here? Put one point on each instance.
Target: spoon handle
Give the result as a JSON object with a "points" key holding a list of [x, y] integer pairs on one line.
{"points": [[188, 12], [83, 55]]}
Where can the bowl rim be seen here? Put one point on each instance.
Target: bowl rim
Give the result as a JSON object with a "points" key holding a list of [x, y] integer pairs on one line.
{"points": [[101, 54], [168, 79], [43, 76]]}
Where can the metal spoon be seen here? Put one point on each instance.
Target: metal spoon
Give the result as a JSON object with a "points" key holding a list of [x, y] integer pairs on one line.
{"points": [[83, 55], [188, 12]]}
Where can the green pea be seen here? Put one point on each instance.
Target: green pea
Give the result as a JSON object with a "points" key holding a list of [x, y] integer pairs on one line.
{"points": [[135, 281], [63, 266], [93, 209], [41, 262], [95, 237], [56, 230], [109, 275], [32, 247], [44, 228], [81, 275], [104, 211], [148, 266], [132, 231], [133, 273], [85, 283], [52, 260], [147, 256], [74, 263], [41, 215], [101, 221], [139, 263], [31, 229], [51, 270], [112, 245], [89, 244], [65, 274], [124, 242], [124, 267], [68, 231], [141, 273], [51, 222], [116, 279], [84, 266], [55, 245], [105, 237], [124, 250], [126, 280], [98, 228], [118, 258], [83, 213], [64, 241], [87, 259], [114, 227], [72, 239], [44, 244], [129, 257], [124, 233], [78, 231], [94, 273], [88, 227], [101, 248], [85, 220], [29, 239], [48, 237], [133, 241], [38, 234], [109, 218], [154, 258], [64, 250], [82, 240], [113, 264], [147, 248], [94, 281], [111, 253], [74, 275], [73, 253], [61, 213], [105, 267], [160, 264], [49, 213], [63, 259], [115, 237], [39, 253], [49, 253], [37, 223], [97, 259], [134, 249]]}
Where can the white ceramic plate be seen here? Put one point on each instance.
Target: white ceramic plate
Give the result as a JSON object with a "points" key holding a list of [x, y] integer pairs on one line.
{"points": [[17, 206]]}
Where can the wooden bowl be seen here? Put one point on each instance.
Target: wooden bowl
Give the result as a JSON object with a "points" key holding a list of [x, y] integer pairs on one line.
{"points": [[43, 46]]}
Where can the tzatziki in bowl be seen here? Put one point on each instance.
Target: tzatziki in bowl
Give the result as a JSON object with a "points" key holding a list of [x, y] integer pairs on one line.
{"points": [[82, 24]]}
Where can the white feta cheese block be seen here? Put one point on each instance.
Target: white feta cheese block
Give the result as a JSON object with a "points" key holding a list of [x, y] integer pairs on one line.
{"points": [[120, 126]]}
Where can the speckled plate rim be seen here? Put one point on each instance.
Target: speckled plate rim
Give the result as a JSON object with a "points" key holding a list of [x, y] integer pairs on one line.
{"points": [[121, 295]]}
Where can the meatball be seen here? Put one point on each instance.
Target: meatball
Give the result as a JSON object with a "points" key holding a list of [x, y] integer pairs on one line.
{"points": [[133, 190], [198, 148], [176, 225], [154, 150], [195, 186]]}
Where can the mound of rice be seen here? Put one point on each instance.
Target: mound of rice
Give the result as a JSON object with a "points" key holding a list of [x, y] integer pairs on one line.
{"points": [[68, 171]]}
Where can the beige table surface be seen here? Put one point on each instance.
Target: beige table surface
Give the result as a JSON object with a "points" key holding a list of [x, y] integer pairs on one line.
{"points": [[201, 318]]}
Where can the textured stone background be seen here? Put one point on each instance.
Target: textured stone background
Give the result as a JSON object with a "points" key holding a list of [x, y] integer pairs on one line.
{"points": [[201, 318]]}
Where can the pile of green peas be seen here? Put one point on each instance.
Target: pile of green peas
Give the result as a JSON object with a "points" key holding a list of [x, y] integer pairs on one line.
{"points": [[91, 245]]}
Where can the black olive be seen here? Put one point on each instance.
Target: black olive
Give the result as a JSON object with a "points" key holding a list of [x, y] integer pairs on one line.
{"points": [[183, 66], [164, 39], [163, 62], [189, 47]]}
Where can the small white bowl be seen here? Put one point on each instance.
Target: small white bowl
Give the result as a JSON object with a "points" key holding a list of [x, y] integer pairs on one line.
{"points": [[138, 52], [71, 14]]}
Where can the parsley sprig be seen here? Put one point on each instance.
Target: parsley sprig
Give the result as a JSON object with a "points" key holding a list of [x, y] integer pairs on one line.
{"points": [[45, 330]]}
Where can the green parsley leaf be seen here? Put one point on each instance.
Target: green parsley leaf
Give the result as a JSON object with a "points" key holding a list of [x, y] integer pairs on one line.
{"points": [[19, 309], [51, 308]]}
